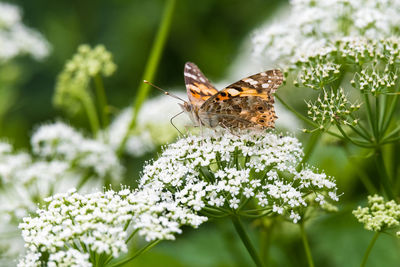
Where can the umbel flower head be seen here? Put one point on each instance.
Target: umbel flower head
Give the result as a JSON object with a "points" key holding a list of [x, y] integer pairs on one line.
{"points": [[92, 157], [331, 108], [74, 229], [311, 24], [95, 221], [250, 173], [17, 39], [379, 215]]}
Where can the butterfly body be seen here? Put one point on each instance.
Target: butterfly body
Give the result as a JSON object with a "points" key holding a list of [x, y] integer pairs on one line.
{"points": [[247, 103]]}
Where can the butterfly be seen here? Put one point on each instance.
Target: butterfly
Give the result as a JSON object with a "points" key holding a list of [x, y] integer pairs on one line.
{"points": [[247, 103]]}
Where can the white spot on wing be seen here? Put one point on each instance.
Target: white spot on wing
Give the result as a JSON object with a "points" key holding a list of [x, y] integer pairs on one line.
{"points": [[265, 85], [250, 81], [263, 74], [233, 92], [187, 74]]}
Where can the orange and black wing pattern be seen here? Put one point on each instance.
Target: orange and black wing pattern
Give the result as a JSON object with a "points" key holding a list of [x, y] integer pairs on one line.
{"points": [[198, 87], [248, 103]]}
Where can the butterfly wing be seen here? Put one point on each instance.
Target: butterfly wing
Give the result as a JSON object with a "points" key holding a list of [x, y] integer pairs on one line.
{"points": [[247, 103], [198, 87]]}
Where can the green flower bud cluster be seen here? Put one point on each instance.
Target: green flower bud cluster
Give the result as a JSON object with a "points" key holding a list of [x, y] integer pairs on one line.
{"points": [[317, 75], [332, 108], [379, 215], [357, 55], [374, 82], [73, 82]]}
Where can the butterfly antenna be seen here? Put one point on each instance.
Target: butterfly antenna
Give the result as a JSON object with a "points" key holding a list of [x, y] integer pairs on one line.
{"points": [[165, 92]]}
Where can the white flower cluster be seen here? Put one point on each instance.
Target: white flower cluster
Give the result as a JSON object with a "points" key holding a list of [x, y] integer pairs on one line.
{"points": [[224, 171], [24, 182], [153, 127], [71, 257], [62, 158], [160, 215], [101, 223], [96, 221], [379, 215], [93, 157], [311, 24], [17, 39]]}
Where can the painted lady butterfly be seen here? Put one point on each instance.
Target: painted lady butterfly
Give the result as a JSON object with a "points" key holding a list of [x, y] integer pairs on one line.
{"points": [[247, 103]]}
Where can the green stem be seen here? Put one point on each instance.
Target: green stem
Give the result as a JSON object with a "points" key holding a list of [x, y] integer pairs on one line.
{"points": [[383, 175], [390, 113], [295, 112], [306, 245], [370, 115], [91, 112], [370, 246], [363, 129], [102, 99], [355, 142], [246, 241], [83, 181], [266, 236], [390, 140], [382, 111], [151, 67], [311, 145], [360, 133], [391, 134], [131, 235], [360, 171], [137, 254], [377, 119]]}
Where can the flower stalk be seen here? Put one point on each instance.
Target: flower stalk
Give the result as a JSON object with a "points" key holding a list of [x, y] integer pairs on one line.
{"points": [[246, 241], [368, 251], [137, 254], [306, 245], [102, 99], [151, 66]]}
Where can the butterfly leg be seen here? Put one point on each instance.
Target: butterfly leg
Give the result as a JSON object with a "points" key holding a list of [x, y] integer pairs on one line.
{"points": [[171, 121], [231, 130]]}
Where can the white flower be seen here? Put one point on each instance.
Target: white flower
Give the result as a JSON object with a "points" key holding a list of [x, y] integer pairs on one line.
{"points": [[311, 24], [153, 126], [100, 223], [17, 39], [96, 220], [60, 141], [71, 257], [11, 163], [226, 170]]}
